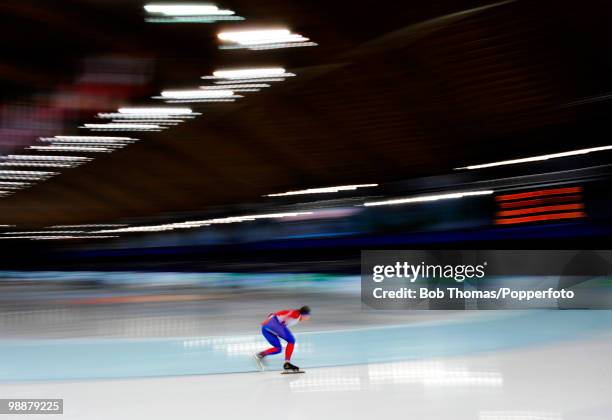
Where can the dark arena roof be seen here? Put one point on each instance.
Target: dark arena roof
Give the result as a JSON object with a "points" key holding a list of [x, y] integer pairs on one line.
{"points": [[392, 91]]}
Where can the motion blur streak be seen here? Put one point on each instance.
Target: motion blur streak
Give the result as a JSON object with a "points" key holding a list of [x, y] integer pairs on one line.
{"points": [[323, 190], [157, 111], [572, 196], [543, 217], [186, 9], [264, 39], [542, 209], [249, 73], [539, 201], [539, 158], [539, 193], [188, 13], [426, 198]]}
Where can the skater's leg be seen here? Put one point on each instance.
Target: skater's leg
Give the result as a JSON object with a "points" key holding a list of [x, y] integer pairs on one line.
{"points": [[272, 339], [281, 331], [288, 352], [286, 335], [276, 330]]}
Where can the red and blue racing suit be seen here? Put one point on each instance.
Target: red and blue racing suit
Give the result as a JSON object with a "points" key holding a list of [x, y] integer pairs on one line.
{"points": [[275, 327]]}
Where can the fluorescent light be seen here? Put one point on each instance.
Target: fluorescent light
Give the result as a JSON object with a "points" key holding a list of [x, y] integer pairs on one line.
{"points": [[26, 175], [50, 237], [251, 80], [109, 144], [273, 38], [123, 126], [68, 148], [13, 185], [40, 164], [157, 111], [539, 158], [88, 140], [323, 190], [197, 94], [249, 73], [187, 10], [201, 223], [237, 86], [42, 161], [275, 46], [92, 138], [190, 101], [427, 198], [160, 122], [239, 36], [148, 118], [44, 157], [236, 89], [286, 39], [42, 232], [193, 19]]}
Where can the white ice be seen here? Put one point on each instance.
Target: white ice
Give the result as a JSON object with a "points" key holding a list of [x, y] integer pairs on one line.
{"points": [[555, 381]]}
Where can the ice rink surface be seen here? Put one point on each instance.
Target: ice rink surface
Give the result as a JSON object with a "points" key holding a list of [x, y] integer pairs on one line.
{"points": [[571, 381], [533, 365]]}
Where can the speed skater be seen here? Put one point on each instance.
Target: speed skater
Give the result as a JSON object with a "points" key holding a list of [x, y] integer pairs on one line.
{"points": [[275, 327]]}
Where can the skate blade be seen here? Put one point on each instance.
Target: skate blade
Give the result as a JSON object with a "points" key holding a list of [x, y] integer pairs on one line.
{"points": [[260, 364], [292, 372]]}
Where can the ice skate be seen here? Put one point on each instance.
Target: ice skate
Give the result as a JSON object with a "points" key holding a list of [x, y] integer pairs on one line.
{"points": [[259, 360], [290, 368]]}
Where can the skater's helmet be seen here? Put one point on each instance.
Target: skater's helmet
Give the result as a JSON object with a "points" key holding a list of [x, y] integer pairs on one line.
{"points": [[305, 311]]}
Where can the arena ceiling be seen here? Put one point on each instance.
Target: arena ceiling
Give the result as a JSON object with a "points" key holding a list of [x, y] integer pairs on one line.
{"points": [[393, 90]]}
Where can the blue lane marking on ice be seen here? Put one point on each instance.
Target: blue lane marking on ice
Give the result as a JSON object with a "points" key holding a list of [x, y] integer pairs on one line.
{"points": [[22, 360]]}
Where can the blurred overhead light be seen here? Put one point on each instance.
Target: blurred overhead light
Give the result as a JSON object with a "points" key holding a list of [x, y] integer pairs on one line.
{"points": [[148, 118], [43, 161], [51, 237], [42, 232], [110, 145], [237, 86], [87, 139], [69, 148], [202, 223], [427, 198], [252, 80], [186, 9], [237, 89], [249, 73], [157, 111], [188, 13], [244, 80], [538, 158], [163, 122], [13, 185], [197, 94], [323, 190], [264, 38], [26, 175], [208, 100], [123, 127], [46, 158]]}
